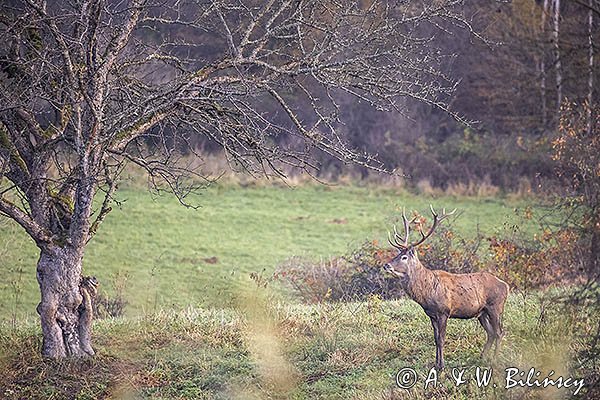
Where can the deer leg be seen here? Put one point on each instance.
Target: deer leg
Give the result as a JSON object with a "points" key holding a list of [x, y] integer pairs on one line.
{"points": [[436, 336], [484, 320], [443, 322], [496, 323], [439, 334]]}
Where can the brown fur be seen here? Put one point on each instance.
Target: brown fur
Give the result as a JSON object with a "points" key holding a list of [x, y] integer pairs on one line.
{"points": [[445, 295]]}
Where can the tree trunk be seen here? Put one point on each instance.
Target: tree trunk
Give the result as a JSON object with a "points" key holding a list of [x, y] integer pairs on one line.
{"points": [[557, 60], [65, 309], [543, 67], [590, 96]]}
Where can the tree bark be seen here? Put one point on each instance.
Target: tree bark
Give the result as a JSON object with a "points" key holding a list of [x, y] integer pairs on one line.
{"points": [[594, 261], [543, 67], [590, 96], [557, 60], [66, 305]]}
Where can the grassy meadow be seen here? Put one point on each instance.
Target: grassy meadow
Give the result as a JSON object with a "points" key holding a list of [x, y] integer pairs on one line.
{"points": [[270, 350], [197, 327], [161, 254]]}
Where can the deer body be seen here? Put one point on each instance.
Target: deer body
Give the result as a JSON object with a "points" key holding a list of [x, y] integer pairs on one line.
{"points": [[444, 295], [457, 295]]}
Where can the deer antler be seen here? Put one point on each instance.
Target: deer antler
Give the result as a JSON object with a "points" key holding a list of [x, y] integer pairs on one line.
{"points": [[401, 243], [436, 221]]}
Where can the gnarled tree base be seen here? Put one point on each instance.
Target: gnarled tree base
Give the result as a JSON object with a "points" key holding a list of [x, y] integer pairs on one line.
{"points": [[66, 306]]}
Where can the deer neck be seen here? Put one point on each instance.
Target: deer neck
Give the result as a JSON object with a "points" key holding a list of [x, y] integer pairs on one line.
{"points": [[420, 284]]}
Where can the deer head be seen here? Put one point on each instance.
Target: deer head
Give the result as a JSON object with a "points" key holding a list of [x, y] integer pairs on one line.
{"points": [[407, 261]]}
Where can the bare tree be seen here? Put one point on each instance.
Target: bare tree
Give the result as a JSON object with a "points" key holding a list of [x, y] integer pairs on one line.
{"points": [[84, 83], [590, 96], [543, 66], [557, 59]]}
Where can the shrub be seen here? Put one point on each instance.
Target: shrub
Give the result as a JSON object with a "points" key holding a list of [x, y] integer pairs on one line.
{"points": [[449, 251], [359, 275], [536, 263], [112, 306], [576, 151], [349, 278], [524, 262]]}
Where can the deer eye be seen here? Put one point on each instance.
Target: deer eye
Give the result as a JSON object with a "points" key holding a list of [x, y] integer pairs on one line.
{"points": [[404, 258]]}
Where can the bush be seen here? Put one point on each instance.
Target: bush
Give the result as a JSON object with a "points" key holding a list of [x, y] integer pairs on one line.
{"points": [[576, 151], [452, 252], [525, 263], [359, 275], [349, 278], [112, 306], [539, 262]]}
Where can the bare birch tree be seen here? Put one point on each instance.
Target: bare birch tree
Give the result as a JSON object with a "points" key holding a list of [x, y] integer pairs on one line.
{"points": [[84, 82], [543, 66], [590, 96], [557, 59]]}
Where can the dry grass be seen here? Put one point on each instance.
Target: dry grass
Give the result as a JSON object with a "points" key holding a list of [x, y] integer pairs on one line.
{"points": [[216, 166], [273, 350], [476, 189], [483, 188]]}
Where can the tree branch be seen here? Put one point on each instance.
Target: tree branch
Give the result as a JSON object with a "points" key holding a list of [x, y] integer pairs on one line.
{"points": [[37, 233]]}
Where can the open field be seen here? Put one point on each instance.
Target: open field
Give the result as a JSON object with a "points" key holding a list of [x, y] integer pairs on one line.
{"points": [[164, 255], [197, 327]]}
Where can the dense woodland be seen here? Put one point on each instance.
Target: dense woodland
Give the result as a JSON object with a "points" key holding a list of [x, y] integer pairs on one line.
{"points": [[513, 68], [501, 72]]}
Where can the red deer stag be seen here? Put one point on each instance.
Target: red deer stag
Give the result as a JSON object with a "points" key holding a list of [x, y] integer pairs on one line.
{"points": [[445, 295]]}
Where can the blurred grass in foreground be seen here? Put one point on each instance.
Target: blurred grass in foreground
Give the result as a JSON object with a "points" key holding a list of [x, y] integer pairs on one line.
{"points": [[323, 351]]}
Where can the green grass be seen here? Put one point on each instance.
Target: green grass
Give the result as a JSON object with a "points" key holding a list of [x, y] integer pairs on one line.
{"points": [[197, 327], [161, 252], [324, 351]]}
